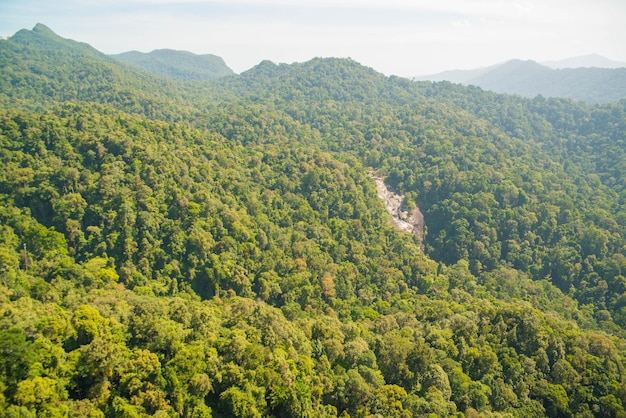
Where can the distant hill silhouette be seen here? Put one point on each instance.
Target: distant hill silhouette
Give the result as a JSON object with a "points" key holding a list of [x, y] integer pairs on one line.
{"points": [[177, 64], [585, 61], [529, 78]]}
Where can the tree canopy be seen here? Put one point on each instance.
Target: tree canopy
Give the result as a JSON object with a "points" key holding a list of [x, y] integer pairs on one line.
{"points": [[217, 247]]}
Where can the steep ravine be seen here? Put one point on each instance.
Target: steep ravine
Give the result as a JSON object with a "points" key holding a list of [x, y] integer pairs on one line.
{"points": [[413, 223]]}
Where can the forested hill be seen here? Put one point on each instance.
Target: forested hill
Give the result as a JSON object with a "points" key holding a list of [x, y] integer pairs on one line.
{"points": [[178, 64], [40, 69], [217, 248], [42, 37]]}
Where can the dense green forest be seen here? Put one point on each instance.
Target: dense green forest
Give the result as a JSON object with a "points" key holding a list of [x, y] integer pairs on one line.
{"points": [[217, 248]]}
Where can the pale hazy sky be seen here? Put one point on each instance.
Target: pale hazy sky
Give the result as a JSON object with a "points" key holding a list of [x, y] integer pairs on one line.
{"points": [[400, 37]]}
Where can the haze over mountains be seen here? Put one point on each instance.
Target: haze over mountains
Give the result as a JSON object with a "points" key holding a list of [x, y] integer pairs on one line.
{"points": [[591, 78], [585, 61], [178, 243]]}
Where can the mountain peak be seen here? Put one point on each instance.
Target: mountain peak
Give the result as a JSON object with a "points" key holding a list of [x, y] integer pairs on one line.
{"points": [[43, 37], [517, 65], [265, 68], [43, 29]]}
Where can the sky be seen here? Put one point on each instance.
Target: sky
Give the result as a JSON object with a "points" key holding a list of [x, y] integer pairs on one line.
{"points": [[399, 37]]}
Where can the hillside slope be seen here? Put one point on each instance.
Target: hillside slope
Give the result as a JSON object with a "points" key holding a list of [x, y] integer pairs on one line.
{"points": [[40, 69], [218, 248]]}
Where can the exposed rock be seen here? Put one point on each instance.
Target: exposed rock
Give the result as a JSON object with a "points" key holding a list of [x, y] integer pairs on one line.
{"points": [[413, 222]]}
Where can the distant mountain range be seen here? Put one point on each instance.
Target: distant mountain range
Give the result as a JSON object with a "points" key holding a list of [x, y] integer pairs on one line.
{"points": [[590, 78], [585, 61], [586, 82]]}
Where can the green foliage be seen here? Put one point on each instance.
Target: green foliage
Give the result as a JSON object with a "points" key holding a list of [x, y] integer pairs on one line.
{"points": [[178, 64], [168, 252]]}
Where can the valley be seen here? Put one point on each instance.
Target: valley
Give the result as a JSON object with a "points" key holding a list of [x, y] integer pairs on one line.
{"points": [[412, 222], [222, 245]]}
